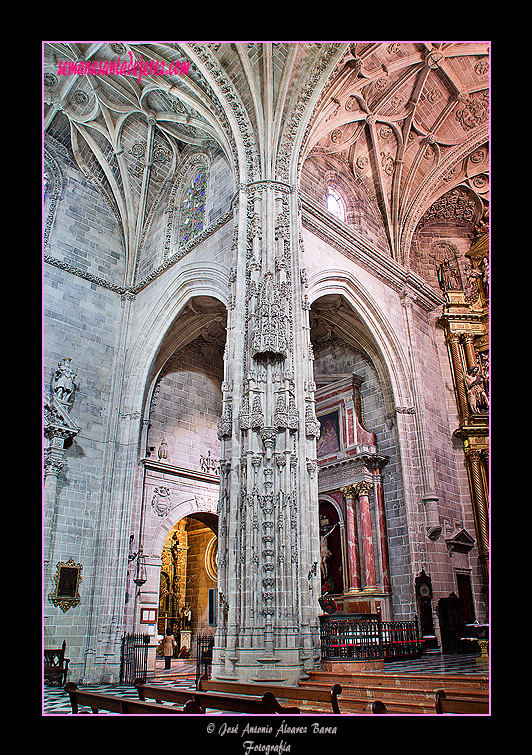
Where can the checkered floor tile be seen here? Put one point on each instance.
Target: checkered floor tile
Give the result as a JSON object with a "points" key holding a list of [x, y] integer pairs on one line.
{"points": [[56, 700]]}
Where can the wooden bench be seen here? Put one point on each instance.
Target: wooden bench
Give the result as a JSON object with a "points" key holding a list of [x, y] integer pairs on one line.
{"points": [[328, 698], [56, 666], [97, 701], [257, 704], [464, 705]]}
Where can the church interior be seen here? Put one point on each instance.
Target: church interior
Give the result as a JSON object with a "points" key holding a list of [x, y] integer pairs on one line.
{"points": [[266, 354]]}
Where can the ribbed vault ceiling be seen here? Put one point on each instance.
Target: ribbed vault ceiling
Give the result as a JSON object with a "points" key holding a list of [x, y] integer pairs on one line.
{"points": [[410, 120]]}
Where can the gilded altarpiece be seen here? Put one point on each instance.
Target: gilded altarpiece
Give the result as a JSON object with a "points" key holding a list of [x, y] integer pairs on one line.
{"points": [[465, 321]]}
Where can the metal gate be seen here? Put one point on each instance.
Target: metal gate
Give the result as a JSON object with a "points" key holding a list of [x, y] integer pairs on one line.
{"points": [[205, 644], [134, 658]]}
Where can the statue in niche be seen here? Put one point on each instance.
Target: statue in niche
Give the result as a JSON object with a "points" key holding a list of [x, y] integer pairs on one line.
{"points": [[476, 394], [63, 380], [325, 553], [448, 278]]}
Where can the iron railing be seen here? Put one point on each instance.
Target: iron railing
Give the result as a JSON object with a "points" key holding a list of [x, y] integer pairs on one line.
{"points": [[401, 639], [364, 636], [204, 646], [355, 636], [134, 658]]}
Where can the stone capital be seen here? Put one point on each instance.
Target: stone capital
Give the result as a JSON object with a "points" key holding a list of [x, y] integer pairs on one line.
{"points": [[363, 488], [349, 492]]}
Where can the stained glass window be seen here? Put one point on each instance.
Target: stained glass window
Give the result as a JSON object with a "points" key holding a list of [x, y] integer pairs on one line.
{"points": [[335, 204], [193, 207]]}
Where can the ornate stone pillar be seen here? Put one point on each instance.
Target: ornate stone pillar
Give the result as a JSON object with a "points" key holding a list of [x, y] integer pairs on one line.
{"points": [[352, 538], [368, 560], [268, 527]]}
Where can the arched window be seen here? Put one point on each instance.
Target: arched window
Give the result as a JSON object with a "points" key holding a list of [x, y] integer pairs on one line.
{"points": [[335, 204], [193, 206]]}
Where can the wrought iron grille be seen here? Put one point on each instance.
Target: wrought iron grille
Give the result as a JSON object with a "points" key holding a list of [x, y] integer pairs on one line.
{"points": [[134, 658], [351, 635], [204, 646], [401, 639]]}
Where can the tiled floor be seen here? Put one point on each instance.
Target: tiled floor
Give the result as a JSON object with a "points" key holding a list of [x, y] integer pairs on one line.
{"points": [[438, 663], [182, 674]]}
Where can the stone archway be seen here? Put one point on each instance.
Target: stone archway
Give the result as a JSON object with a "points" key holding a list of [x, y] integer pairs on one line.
{"points": [[187, 578]]}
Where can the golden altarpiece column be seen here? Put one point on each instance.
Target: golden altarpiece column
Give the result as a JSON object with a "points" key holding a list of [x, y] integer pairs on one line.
{"points": [[465, 320]]}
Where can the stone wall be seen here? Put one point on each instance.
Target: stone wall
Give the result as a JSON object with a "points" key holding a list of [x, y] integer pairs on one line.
{"points": [[187, 405]]}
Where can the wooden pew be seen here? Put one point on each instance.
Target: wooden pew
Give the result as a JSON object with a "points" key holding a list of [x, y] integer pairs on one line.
{"points": [[97, 701], [257, 704], [464, 705], [328, 698], [56, 666]]}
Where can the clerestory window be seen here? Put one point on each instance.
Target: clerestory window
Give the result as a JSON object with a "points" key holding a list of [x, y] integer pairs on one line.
{"points": [[335, 204], [193, 207]]}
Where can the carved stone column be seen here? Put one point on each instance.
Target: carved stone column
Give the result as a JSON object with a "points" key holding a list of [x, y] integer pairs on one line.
{"points": [[349, 494], [268, 528], [368, 560]]}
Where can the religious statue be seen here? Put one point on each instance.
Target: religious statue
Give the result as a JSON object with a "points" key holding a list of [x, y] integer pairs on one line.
{"points": [[325, 553], [485, 370], [447, 277], [473, 275], [186, 613], [162, 453], [63, 380], [476, 394]]}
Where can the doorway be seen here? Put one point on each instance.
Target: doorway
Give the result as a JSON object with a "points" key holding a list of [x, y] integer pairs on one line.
{"points": [[187, 581]]}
